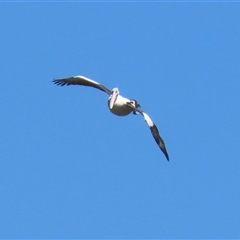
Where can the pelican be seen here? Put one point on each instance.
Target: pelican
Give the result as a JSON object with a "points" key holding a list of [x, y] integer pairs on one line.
{"points": [[117, 104]]}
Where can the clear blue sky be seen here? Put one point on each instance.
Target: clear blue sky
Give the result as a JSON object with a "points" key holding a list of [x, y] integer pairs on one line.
{"points": [[71, 169]]}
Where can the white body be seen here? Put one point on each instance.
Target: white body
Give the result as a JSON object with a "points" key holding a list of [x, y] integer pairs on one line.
{"points": [[120, 107]]}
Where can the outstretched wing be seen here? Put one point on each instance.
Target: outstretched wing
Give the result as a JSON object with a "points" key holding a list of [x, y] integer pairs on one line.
{"points": [[80, 80], [154, 130]]}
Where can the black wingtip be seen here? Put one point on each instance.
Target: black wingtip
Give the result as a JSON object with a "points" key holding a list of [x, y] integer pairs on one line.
{"points": [[55, 81], [165, 152], [159, 140], [59, 82]]}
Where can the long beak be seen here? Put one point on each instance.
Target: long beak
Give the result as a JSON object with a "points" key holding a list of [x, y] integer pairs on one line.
{"points": [[113, 99]]}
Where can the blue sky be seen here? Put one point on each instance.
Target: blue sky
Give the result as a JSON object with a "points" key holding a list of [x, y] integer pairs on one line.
{"points": [[71, 169]]}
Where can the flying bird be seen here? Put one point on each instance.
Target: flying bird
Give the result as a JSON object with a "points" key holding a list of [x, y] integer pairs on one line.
{"points": [[117, 104]]}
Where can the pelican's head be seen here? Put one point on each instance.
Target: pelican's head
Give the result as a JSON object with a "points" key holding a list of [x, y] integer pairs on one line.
{"points": [[115, 93]]}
